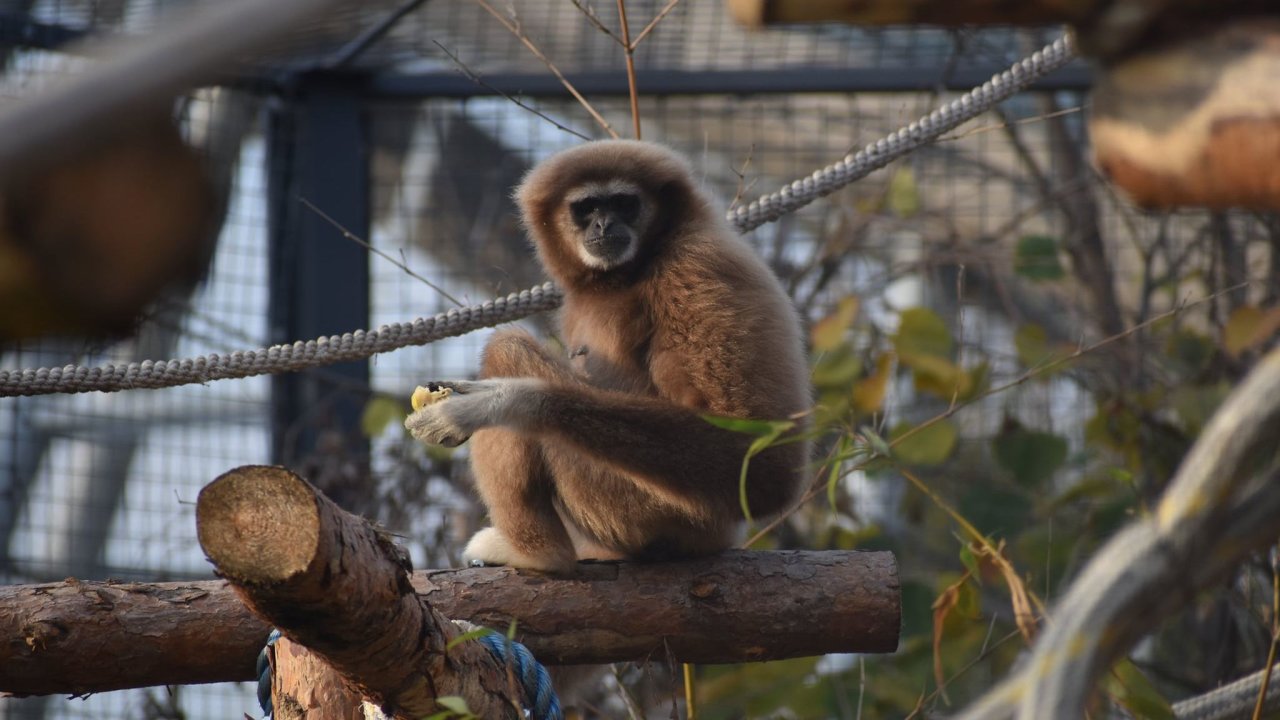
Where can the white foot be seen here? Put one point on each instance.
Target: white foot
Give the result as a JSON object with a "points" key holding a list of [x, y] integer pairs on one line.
{"points": [[491, 547]]}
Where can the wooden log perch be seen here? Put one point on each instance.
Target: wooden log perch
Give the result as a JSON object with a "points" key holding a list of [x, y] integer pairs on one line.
{"points": [[334, 584], [735, 607]]}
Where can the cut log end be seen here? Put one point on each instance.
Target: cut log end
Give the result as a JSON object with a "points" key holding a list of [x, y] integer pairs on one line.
{"points": [[258, 524]]}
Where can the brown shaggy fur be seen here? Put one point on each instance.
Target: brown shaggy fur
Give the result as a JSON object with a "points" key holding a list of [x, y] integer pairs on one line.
{"points": [[613, 460]]}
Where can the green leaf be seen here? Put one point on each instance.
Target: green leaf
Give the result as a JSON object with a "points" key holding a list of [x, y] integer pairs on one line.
{"points": [[931, 445], [1036, 258], [469, 635], [868, 393], [1190, 352], [1131, 688], [776, 428], [1196, 403], [742, 425], [904, 194], [379, 412], [829, 332], [970, 562], [1031, 456], [1237, 335], [1091, 488], [940, 377], [1032, 345], [455, 704], [833, 475], [995, 511], [1248, 327], [979, 381], [837, 368], [876, 444], [922, 332]]}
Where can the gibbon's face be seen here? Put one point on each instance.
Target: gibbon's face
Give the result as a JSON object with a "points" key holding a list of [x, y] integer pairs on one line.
{"points": [[608, 220]]}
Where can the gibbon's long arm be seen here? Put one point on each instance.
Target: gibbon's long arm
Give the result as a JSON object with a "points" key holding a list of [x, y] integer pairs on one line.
{"points": [[655, 441]]}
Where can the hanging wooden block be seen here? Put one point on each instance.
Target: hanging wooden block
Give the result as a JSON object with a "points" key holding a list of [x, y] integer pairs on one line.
{"points": [[1197, 122]]}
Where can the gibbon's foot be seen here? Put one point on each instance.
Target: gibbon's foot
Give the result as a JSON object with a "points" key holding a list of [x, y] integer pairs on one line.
{"points": [[491, 547], [471, 405]]}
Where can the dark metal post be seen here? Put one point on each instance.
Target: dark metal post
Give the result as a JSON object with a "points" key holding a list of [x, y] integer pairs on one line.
{"points": [[318, 151]]}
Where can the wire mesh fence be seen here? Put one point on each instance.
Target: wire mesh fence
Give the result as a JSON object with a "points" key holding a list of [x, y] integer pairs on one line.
{"points": [[101, 486]]}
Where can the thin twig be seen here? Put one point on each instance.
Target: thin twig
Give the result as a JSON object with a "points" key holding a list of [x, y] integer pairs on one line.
{"points": [[631, 66], [362, 243], [970, 665], [821, 480], [690, 703], [628, 700], [743, 185], [475, 78], [978, 130], [595, 20], [653, 23], [524, 39], [1275, 636]]}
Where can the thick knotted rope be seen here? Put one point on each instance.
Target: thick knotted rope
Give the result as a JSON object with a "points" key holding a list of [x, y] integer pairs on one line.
{"points": [[280, 358], [361, 344], [905, 140]]}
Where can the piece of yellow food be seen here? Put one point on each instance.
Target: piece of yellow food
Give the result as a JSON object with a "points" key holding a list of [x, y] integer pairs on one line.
{"points": [[424, 396]]}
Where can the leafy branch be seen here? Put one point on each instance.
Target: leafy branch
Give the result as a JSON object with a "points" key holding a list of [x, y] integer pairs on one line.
{"points": [[873, 448]]}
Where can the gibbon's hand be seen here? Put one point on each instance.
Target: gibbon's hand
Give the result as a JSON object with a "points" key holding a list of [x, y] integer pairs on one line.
{"points": [[473, 404]]}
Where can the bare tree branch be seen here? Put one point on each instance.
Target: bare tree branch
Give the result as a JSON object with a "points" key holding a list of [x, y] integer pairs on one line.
{"points": [[475, 78], [515, 30]]}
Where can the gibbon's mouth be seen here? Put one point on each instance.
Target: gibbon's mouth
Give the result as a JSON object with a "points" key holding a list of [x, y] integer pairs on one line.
{"points": [[610, 249]]}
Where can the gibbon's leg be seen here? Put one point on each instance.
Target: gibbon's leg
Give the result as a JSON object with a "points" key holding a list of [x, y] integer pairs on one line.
{"points": [[512, 475], [664, 447]]}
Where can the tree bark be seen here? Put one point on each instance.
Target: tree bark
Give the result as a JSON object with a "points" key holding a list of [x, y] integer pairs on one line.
{"points": [[305, 687], [334, 584], [735, 607]]}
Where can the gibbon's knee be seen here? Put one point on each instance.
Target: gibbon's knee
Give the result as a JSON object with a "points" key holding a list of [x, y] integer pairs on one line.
{"points": [[515, 353], [517, 488]]}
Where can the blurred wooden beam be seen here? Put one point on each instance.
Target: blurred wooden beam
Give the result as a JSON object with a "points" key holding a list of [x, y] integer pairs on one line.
{"points": [[1195, 122], [758, 13]]}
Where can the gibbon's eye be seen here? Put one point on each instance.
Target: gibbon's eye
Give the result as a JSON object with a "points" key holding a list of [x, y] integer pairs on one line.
{"points": [[626, 206], [581, 210]]}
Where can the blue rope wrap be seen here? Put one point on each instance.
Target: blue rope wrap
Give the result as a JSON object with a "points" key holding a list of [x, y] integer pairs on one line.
{"points": [[264, 674], [534, 679]]}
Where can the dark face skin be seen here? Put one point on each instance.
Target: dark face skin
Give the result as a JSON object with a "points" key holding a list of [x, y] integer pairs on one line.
{"points": [[607, 223]]}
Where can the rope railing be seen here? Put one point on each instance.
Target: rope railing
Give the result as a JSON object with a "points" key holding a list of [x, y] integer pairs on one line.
{"points": [[359, 344], [279, 358]]}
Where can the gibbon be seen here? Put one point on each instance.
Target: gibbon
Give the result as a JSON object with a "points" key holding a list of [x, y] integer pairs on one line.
{"points": [[667, 315]]}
